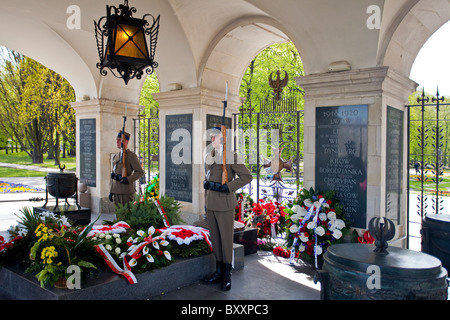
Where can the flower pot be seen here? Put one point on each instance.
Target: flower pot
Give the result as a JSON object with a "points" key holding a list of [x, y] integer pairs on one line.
{"points": [[61, 283]]}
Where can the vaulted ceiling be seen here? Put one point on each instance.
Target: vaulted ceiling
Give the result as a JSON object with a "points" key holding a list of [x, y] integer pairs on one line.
{"points": [[203, 43]]}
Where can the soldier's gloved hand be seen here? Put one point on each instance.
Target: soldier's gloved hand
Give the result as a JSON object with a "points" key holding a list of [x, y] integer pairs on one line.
{"points": [[124, 180], [222, 187], [206, 185], [113, 175], [118, 177], [216, 186], [110, 197]]}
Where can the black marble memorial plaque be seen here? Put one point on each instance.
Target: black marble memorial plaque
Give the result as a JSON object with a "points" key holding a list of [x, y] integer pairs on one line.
{"points": [[88, 172], [179, 157], [394, 163], [341, 158]]}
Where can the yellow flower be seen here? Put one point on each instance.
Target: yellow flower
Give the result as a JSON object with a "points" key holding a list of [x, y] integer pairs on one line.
{"points": [[48, 253], [43, 233]]}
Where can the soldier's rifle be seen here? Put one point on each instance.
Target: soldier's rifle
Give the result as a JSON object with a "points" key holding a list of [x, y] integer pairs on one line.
{"points": [[122, 150], [224, 140]]}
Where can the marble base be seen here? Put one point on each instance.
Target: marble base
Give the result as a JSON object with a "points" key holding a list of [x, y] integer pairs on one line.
{"points": [[15, 285], [247, 238]]}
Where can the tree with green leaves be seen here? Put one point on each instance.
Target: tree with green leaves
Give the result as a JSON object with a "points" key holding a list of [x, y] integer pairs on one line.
{"points": [[34, 105]]}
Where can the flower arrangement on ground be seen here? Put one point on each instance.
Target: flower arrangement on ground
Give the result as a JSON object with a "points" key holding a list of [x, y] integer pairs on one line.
{"points": [[49, 245], [269, 218], [365, 238], [244, 207], [316, 221]]}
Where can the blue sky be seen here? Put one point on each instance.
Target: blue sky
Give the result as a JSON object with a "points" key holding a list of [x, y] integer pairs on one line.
{"points": [[432, 65]]}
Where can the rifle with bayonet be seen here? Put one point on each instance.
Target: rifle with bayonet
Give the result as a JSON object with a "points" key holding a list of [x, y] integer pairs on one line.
{"points": [[122, 150], [223, 129]]}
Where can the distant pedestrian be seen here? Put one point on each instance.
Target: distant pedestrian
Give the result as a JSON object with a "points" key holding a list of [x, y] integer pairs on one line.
{"points": [[417, 166]]}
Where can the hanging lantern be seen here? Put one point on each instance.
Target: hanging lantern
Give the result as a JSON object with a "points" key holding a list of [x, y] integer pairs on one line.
{"points": [[126, 50]]}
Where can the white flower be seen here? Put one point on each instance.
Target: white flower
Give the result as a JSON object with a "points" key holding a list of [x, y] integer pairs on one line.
{"points": [[319, 250], [118, 241], [317, 204], [302, 247], [164, 243], [339, 224], [322, 216], [320, 231], [133, 262], [295, 217], [337, 234], [116, 235], [155, 245], [108, 247], [108, 236], [331, 215], [293, 228], [308, 203], [151, 230], [117, 250], [149, 258], [145, 250], [102, 235], [303, 238], [140, 233], [167, 255], [302, 211], [296, 208], [311, 225]]}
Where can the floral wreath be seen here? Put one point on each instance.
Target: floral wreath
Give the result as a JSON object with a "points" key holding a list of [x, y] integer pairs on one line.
{"points": [[316, 222]]}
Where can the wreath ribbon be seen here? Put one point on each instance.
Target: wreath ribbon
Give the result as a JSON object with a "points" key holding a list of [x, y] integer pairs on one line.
{"points": [[126, 271], [311, 212], [161, 212], [148, 240]]}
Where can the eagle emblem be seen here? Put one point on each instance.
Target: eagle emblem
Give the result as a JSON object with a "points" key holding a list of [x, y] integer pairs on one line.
{"points": [[278, 84]]}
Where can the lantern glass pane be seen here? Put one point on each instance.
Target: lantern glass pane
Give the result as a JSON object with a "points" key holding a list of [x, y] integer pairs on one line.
{"points": [[130, 42]]}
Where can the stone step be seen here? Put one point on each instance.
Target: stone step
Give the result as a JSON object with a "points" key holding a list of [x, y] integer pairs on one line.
{"points": [[109, 286]]}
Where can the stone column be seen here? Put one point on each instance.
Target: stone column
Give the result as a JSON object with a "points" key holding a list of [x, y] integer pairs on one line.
{"points": [[381, 89], [98, 122], [197, 104]]}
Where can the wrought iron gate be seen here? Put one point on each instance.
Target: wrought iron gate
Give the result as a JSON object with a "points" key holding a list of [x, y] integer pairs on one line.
{"points": [[146, 142], [428, 150], [270, 142]]}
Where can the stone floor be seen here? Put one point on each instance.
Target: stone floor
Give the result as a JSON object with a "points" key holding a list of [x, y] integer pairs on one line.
{"points": [[264, 277]]}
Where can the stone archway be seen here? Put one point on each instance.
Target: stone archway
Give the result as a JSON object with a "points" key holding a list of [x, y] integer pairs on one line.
{"points": [[231, 51], [403, 39]]}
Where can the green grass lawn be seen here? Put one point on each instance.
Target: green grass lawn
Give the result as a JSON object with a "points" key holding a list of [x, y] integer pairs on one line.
{"points": [[24, 159]]}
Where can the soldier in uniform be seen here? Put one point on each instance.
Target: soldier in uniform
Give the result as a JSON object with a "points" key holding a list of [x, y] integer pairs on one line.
{"points": [[122, 188], [220, 206]]}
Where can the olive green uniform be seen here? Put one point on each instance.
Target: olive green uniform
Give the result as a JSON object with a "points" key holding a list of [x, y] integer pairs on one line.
{"points": [[220, 206], [125, 192]]}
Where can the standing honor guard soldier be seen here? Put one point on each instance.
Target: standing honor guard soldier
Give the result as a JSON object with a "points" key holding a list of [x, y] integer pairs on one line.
{"points": [[221, 203], [126, 169]]}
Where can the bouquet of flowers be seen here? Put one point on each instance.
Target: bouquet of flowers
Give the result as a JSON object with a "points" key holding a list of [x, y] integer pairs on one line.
{"points": [[316, 222], [56, 248], [244, 207], [269, 218]]}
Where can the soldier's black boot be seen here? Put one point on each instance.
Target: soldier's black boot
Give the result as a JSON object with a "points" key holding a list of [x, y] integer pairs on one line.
{"points": [[226, 283], [217, 276]]}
